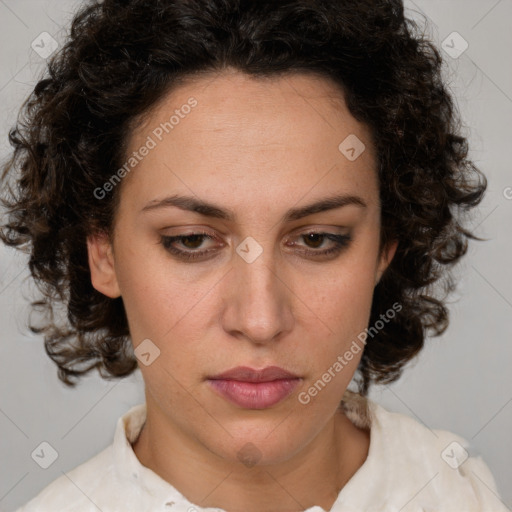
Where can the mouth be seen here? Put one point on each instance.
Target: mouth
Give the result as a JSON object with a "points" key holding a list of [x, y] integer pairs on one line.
{"points": [[254, 389]]}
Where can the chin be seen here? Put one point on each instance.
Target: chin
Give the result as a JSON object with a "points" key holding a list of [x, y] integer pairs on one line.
{"points": [[254, 445]]}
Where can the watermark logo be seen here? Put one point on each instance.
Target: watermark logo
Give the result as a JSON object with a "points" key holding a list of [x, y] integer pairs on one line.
{"points": [[352, 147], [44, 45], [146, 352], [249, 455], [44, 455], [249, 249], [454, 45], [454, 455]]}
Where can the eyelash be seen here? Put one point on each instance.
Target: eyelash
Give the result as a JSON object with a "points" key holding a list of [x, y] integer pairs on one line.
{"points": [[340, 242]]}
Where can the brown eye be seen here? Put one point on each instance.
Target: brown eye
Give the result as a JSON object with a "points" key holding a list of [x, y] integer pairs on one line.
{"points": [[190, 242], [316, 240]]}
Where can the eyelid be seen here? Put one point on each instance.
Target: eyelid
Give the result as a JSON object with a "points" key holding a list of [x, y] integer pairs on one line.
{"points": [[320, 229], [339, 242], [327, 230]]}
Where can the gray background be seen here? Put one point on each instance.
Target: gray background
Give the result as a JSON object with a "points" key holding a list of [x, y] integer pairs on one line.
{"points": [[461, 382]]}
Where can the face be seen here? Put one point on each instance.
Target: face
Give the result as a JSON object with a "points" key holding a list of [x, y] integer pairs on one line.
{"points": [[255, 278]]}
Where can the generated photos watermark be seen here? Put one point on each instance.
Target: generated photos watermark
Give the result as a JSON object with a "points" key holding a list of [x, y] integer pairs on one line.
{"points": [[305, 397], [157, 135]]}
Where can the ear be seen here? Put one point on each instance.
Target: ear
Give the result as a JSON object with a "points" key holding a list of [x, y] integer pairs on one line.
{"points": [[388, 252], [102, 265]]}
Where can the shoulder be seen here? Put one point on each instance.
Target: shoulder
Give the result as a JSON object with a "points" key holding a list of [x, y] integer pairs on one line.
{"points": [[106, 480], [431, 469], [71, 491]]}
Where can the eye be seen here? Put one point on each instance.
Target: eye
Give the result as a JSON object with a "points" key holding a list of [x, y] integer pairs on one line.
{"points": [[190, 241], [185, 247], [317, 239]]}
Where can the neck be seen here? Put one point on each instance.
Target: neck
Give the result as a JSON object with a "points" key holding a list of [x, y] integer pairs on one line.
{"points": [[313, 476]]}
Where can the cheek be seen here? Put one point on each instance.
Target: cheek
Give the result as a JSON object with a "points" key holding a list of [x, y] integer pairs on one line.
{"points": [[345, 298], [335, 351], [342, 306], [143, 299], [156, 295], [168, 308], [342, 317]]}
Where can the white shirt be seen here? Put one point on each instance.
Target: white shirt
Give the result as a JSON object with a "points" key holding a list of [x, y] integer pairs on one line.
{"points": [[409, 468]]}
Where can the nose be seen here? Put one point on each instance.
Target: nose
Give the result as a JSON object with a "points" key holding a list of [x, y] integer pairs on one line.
{"points": [[257, 300]]}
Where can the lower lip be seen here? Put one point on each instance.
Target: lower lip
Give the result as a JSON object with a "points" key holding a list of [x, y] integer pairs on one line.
{"points": [[255, 395]]}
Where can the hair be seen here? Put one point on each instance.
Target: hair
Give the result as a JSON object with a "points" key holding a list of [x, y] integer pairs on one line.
{"points": [[122, 56]]}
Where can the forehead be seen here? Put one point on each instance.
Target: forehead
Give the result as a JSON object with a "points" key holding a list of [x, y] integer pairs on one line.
{"points": [[250, 135]]}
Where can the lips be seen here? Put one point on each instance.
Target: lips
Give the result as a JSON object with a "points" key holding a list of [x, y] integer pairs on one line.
{"points": [[254, 389], [246, 374]]}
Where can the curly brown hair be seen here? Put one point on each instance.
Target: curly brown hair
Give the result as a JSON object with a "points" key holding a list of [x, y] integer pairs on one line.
{"points": [[122, 56]]}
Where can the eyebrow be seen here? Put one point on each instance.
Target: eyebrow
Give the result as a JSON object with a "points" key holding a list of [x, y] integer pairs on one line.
{"points": [[189, 203]]}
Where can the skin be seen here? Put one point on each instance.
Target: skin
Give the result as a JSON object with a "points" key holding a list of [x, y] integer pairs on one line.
{"points": [[257, 148]]}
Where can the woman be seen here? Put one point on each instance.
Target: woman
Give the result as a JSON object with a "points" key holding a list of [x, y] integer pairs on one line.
{"points": [[251, 202]]}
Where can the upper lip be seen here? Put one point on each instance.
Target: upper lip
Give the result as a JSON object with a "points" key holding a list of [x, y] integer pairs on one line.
{"points": [[246, 374]]}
